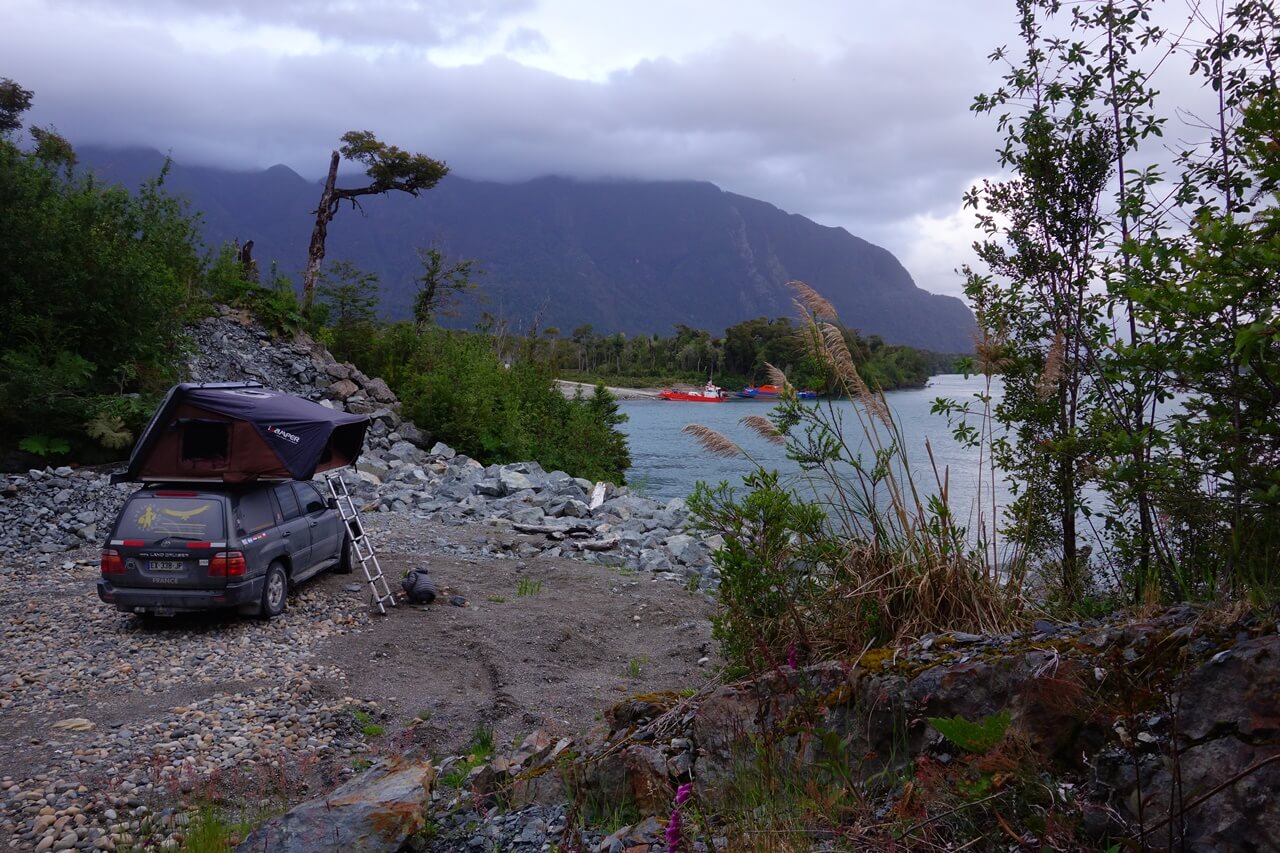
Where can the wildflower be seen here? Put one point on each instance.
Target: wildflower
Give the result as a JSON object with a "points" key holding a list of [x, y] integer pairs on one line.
{"points": [[791, 656], [673, 832], [673, 826]]}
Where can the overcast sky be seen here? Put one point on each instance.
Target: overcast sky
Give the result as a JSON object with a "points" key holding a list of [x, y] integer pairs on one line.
{"points": [[851, 113]]}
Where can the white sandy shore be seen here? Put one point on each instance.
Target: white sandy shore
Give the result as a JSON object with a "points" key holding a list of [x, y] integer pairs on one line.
{"points": [[570, 388]]}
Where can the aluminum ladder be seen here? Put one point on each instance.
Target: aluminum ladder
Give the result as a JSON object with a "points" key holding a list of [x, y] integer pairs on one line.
{"points": [[360, 542]]}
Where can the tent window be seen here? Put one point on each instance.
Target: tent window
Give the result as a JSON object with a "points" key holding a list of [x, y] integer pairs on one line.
{"points": [[205, 441]]}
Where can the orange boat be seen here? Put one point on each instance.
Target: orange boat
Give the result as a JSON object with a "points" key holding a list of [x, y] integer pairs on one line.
{"points": [[769, 391]]}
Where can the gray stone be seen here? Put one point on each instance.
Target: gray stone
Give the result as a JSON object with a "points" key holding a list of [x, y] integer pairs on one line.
{"points": [[403, 451], [491, 487], [410, 433], [341, 390], [375, 811], [442, 450], [378, 390], [374, 466], [514, 481]]}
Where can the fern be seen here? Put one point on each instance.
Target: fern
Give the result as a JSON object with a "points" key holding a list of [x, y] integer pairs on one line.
{"points": [[973, 737], [109, 431], [43, 445]]}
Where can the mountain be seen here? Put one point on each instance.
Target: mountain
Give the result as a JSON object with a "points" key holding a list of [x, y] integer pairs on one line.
{"points": [[624, 256]]}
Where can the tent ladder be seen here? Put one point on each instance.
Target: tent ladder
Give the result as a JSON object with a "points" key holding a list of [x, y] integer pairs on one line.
{"points": [[373, 573]]}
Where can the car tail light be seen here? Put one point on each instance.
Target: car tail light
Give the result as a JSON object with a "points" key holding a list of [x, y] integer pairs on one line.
{"points": [[112, 562], [227, 564]]}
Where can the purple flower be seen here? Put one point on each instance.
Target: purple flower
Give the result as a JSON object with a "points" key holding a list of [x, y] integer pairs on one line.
{"points": [[791, 655], [684, 792], [673, 832]]}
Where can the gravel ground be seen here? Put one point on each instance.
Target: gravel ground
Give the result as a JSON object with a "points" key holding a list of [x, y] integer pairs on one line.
{"points": [[113, 727]]}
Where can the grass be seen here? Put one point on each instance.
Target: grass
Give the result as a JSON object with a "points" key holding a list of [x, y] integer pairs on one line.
{"points": [[479, 751], [367, 726], [211, 830], [636, 666], [497, 599], [528, 586], [863, 550]]}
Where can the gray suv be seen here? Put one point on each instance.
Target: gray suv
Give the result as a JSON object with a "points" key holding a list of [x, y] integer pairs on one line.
{"points": [[180, 548]]}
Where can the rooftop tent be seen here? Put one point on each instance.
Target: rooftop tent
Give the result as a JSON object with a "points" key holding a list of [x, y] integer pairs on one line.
{"points": [[238, 432]]}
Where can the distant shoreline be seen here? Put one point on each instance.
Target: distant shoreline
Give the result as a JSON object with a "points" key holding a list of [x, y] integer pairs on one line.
{"points": [[569, 389]]}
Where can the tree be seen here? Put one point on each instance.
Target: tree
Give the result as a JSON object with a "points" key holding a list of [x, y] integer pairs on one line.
{"points": [[1110, 286], [78, 257], [14, 101], [439, 285], [350, 296], [388, 168]]}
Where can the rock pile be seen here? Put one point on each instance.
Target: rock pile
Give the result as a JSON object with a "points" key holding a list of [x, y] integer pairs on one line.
{"points": [[55, 510]]}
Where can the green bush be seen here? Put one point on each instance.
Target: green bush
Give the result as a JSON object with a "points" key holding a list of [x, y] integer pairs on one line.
{"points": [[94, 286], [453, 384]]}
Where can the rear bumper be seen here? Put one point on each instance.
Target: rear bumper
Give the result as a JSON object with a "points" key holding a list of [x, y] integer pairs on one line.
{"points": [[180, 600]]}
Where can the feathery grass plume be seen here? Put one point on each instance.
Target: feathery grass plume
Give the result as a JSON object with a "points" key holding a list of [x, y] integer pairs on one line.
{"points": [[762, 427], [712, 441], [1048, 381], [836, 353], [814, 303], [775, 376]]}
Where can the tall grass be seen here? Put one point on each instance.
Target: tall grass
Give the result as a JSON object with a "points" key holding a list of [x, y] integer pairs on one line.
{"points": [[864, 548]]}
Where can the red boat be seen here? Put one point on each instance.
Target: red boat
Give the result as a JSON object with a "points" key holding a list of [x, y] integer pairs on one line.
{"points": [[709, 394]]}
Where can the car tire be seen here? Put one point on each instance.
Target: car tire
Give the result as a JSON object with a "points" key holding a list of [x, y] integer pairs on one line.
{"points": [[275, 591], [347, 559]]}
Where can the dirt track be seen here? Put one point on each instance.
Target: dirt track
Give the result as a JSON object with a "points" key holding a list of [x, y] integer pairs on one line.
{"points": [[553, 659]]}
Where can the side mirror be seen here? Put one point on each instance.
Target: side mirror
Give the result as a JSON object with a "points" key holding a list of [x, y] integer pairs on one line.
{"points": [[331, 502]]}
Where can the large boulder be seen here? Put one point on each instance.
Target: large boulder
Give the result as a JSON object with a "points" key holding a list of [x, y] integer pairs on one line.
{"points": [[376, 811]]}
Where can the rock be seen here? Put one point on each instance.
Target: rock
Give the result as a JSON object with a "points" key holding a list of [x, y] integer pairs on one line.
{"points": [[375, 811], [373, 466], [442, 450], [513, 481], [341, 390], [378, 390], [413, 434]]}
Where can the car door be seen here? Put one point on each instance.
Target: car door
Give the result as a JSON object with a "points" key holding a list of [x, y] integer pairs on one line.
{"points": [[294, 527], [326, 525]]}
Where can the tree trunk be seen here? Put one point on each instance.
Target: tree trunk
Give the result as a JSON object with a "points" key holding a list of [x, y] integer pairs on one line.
{"points": [[315, 252]]}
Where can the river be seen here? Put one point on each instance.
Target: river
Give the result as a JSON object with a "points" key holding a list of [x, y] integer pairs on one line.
{"points": [[666, 462]]}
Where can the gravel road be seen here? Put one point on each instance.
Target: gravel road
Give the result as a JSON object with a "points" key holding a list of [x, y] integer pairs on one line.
{"points": [[112, 728]]}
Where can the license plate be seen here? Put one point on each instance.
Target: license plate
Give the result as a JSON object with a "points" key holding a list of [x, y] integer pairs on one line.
{"points": [[166, 565]]}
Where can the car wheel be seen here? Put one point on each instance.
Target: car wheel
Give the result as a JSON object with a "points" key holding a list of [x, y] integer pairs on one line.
{"points": [[275, 592], [347, 561]]}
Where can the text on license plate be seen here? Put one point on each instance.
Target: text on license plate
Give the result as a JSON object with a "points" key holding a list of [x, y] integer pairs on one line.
{"points": [[166, 565]]}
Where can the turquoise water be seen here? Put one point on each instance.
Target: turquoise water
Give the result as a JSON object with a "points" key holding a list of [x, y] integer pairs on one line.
{"points": [[667, 462]]}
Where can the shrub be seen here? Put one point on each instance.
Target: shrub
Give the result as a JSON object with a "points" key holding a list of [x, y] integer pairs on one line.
{"points": [[872, 556], [94, 285], [452, 384]]}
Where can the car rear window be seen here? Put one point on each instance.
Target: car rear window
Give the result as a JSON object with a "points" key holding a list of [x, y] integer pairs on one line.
{"points": [[150, 518], [255, 511]]}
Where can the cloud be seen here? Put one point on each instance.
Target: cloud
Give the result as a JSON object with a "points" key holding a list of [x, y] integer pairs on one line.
{"points": [[866, 135], [526, 40], [419, 23]]}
